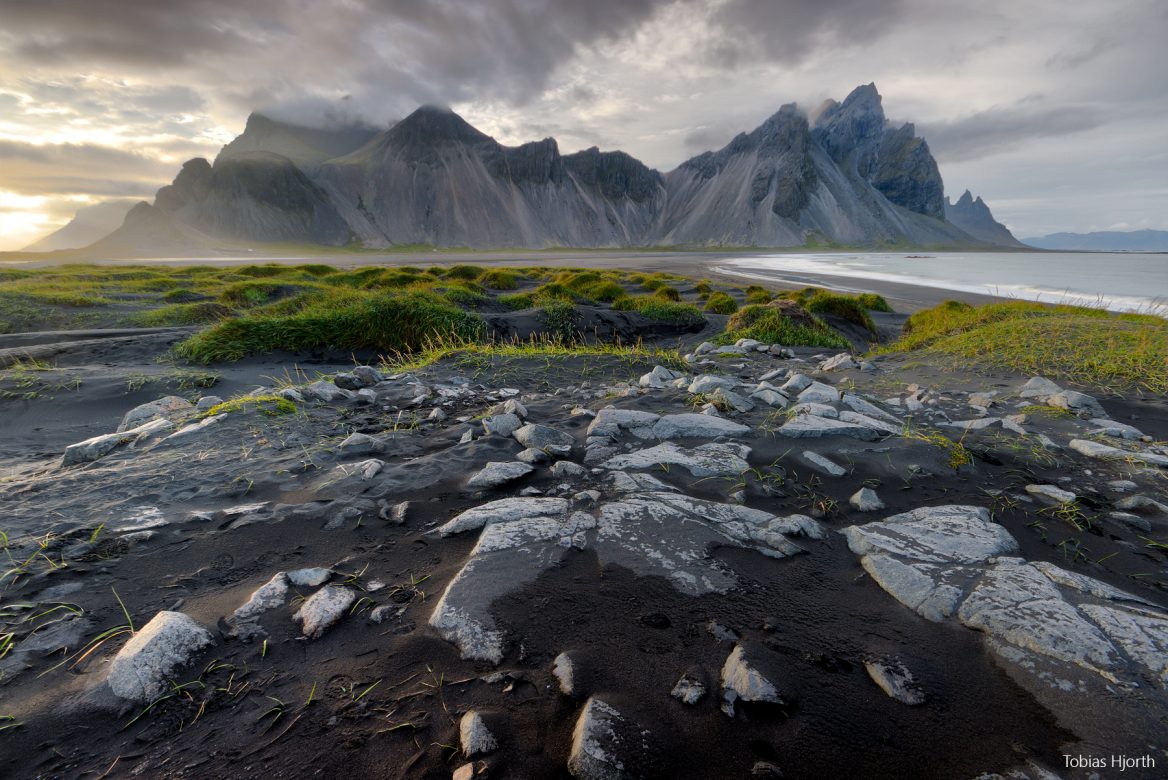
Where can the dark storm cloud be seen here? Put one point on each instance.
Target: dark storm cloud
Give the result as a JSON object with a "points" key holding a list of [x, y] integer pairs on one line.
{"points": [[1003, 128], [787, 31], [396, 52]]}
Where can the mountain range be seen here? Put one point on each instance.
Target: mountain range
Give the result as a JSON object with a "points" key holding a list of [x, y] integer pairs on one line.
{"points": [[841, 176], [1104, 241]]}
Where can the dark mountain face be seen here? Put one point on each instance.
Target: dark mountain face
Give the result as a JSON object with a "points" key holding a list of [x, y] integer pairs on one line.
{"points": [[434, 179], [974, 217], [897, 163]]}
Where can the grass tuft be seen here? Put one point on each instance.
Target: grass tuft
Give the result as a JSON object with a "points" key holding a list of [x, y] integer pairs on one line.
{"points": [[1089, 346]]}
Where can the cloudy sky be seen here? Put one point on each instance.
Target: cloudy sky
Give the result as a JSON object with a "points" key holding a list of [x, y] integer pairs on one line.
{"points": [[1055, 112]]}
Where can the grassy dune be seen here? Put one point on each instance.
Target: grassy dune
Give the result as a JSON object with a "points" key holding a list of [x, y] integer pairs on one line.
{"points": [[402, 310]]}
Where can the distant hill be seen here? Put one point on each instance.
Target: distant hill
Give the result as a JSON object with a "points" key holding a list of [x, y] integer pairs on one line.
{"points": [[88, 225], [974, 217], [1105, 241], [844, 176]]}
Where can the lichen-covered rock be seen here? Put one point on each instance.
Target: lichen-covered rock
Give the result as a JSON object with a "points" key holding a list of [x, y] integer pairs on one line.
{"points": [[323, 609], [941, 534], [474, 736], [498, 473], [100, 446], [141, 669], [692, 426], [895, 680], [708, 460], [168, 406]]}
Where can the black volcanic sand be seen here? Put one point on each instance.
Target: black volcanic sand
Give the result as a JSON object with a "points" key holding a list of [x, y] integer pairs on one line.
{"points": [[386, 698]]}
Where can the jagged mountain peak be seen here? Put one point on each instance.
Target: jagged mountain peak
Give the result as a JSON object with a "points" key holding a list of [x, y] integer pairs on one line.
{"points": [[432, 178], [435, 124]]}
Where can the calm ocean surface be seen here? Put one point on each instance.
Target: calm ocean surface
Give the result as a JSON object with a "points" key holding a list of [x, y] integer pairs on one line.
{"points": [[1121, 282]]}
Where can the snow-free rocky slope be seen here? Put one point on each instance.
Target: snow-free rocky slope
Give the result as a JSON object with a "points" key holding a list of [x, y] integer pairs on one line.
{"points": [[756, 561], [847, 177]]}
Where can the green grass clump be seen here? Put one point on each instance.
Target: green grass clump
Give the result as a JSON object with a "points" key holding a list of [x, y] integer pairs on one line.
{"points": [[704, 287], [181, 295], [604, 290], [757, 294], [395, 279], [843, 306], [183, 314], [1042, 410], [465, 295], [873, 302], [556, 291], [721, 303], [770, 325], [660, 310], [316, 270], [1090, 346], [667, 293], [559, 319], [387, 322], [467, 273], [517, 301], [498, 279], [262, 271], [256, 293], [271, 405]]}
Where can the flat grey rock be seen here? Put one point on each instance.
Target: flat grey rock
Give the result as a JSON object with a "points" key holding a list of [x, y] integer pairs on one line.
{"points": [[867, 408], [498, 473], [502, 424], [1079, 403], [866, 500], [809, 427], [841, 362], [722, 398], [267, 597], [1015, 603], [143, 667], [613, 422], [539, 437], [1094, 449], [1052, 492], [873, 423], [824, 464], [323, 609], [818, 393], [100, 446], [941, 534], [325, 391], [694, 426], [772, 398], [1141, 633], [708, 460], [168, 407], [707, 383], [933, 592], [797, 383], [310, 577], [1039, 387], [505, 510]]}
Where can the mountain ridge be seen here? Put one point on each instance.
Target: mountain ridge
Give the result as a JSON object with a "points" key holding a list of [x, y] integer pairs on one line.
{"points": [[1104, 241], [845, 178]]}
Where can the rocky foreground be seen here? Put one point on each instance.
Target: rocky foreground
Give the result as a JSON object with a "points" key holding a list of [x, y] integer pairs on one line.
{"points": [[758, 563]]}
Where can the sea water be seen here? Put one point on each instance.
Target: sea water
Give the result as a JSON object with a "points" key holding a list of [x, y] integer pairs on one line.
{"points": [[1120, 281]]}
